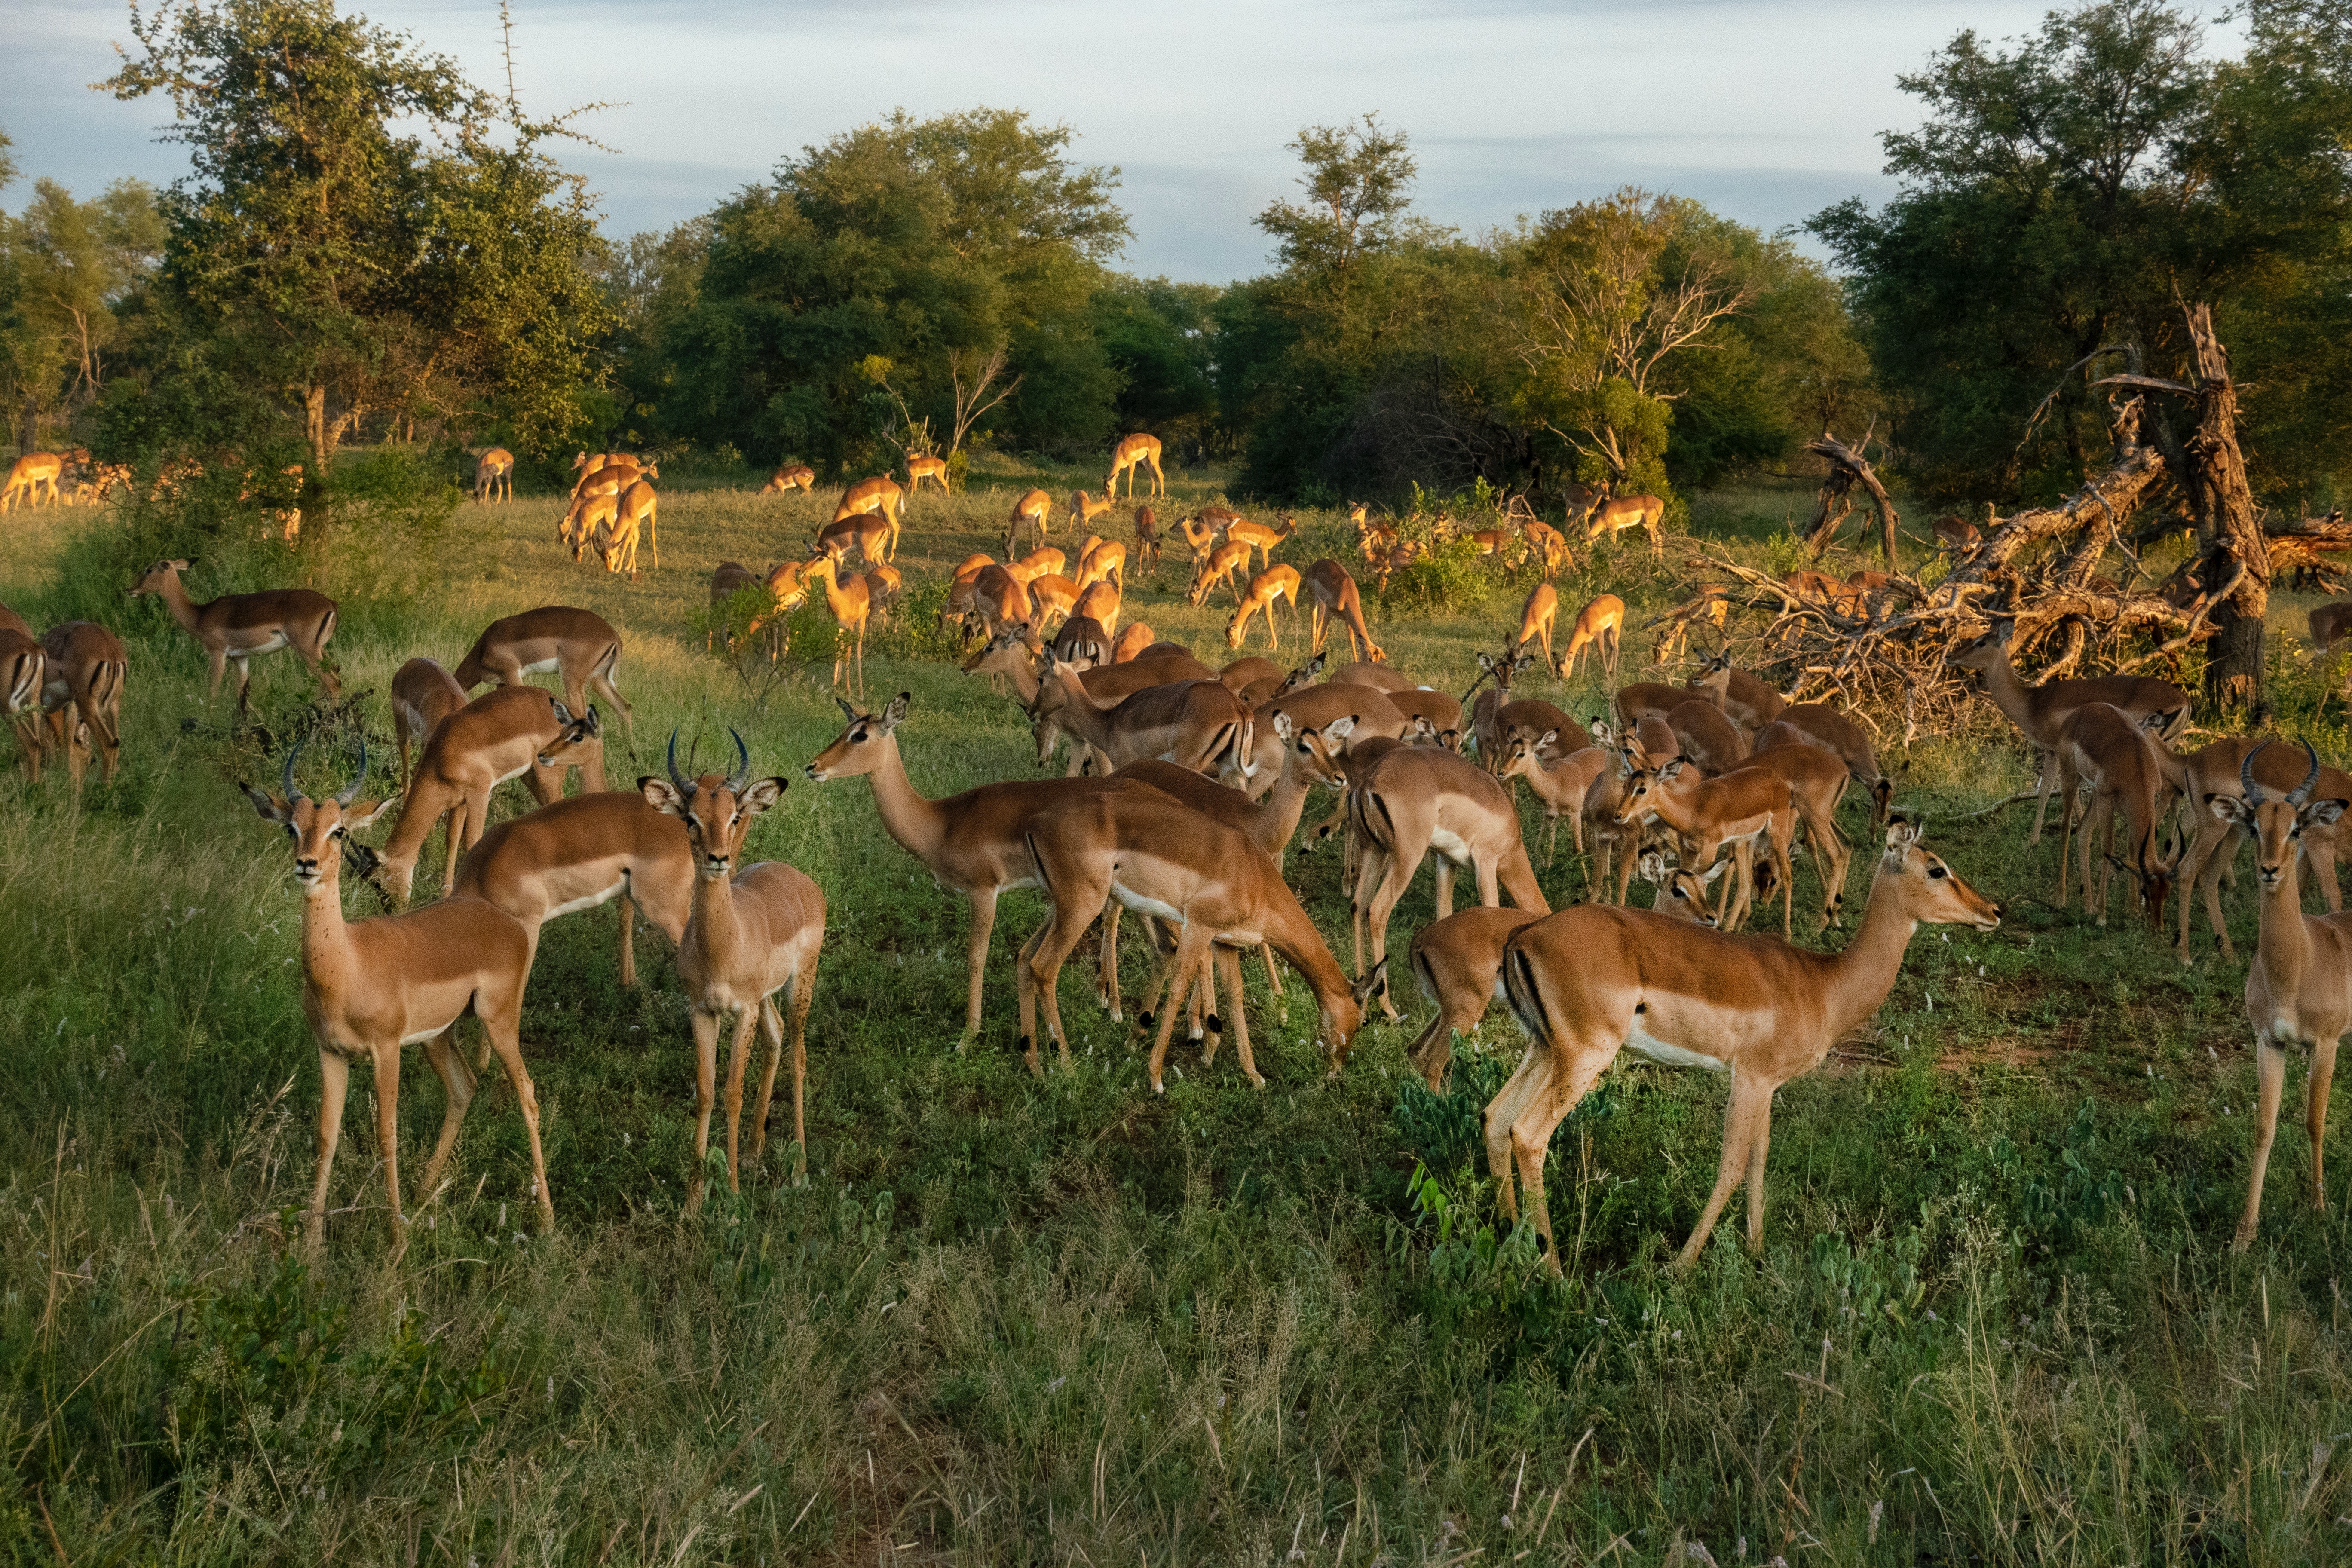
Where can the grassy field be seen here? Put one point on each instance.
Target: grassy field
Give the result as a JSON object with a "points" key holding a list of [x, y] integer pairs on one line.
{"points": [[1010, 1321]]}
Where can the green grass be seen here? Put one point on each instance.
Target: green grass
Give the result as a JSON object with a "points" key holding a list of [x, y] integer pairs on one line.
{"points": [[1012, 1321]]}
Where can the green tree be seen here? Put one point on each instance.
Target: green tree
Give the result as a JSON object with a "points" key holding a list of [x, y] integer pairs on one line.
{"points": [[77, 269], [363, 233], [963, 250], [1160, 338]]}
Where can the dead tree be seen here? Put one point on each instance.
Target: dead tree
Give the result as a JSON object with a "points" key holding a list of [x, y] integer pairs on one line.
{"points": [[1848, 467]]}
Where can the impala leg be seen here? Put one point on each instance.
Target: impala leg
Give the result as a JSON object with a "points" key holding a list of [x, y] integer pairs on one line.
{"points": [[628, 941], [1759, 1144], [2040, 800], [771, 1031], [508, 1044], [1106, 973], [334, 1083], [706, 1084], [388, 1139], [217, 658], [457, 1083], [1397, 875], [1190, 945], [2321, 854], [738, 1057], [1272, 970], [1750, 1108], [1228, 961], [804, 993], [983, 922], [2315, 1116], [1780, 840], [2211, 854], [2270, 1066], [1540, 1115]]}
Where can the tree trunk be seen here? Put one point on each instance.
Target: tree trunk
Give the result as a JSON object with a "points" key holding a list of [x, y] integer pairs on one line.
{"points": [[2224, 505], [1848, 467]]}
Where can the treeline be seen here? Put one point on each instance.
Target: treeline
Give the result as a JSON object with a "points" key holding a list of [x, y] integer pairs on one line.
{"points": [[399, 257]]}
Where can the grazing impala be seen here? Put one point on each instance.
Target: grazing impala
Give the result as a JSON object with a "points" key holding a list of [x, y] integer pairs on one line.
{"points": [[1416, 800], [1706, 736], [1220, 566], [2100, 745], [2299, 987], [797, 477], [370, 988], [497, 737], [1100, 603], [974, 842], [30, 475], [423, 694], [1034, 507], [1147, 537], [1333, 599], [1612, 516], [1138, 451], [1458, 962], [241, 625], [1160, 857], [1598, 626], [754, 932], [86, 666], [2041, 712], [1819, 724], [1105, 563], [921, 468], [579, 645], [878, 497], [1537, 617], [1196, 724], [1266, 589], [493, 475], [1591, 980]]}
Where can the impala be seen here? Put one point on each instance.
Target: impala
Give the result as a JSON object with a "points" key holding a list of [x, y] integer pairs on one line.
{"points": [[576, 854], [1599, 626], [1134, 451], [1458, 962], [879, 495], [1196, 724], [604, 481], [1562, 785], [2328, 624], [925, 468], [84, 667], [1746, 701], [1220, 566], [1082, 644], [798, 476], [867, 532], [497, 737], [1536, 620], [1200, 538], [754, 932], [495, 469], [1052, 597], [1612, 516], [1259, 537], [1147, 537], [1816, 780], [1266, 589], [423, 694], [1591, 980], [634, 514], [1099, 603], [579, 645], [370, 986], [1333, 599], [974, 842], [1412, 801], [1500, 668], [24, 677], [1819, 724], [1955, 533], [30, 475], [852, 603], [2218, 770], [1158, 856], [1703, 734], [241, 625], [1105, 563], [2299, 987], [1085, 509], [2101, 746], [1708, 814], [1131, 643], [2041, 712], [1034, 507]]}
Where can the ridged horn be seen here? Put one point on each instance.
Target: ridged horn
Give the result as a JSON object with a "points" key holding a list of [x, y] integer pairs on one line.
{"points": [[677, 779], [2300, 796], [741, 776], [2253, 791], [285, 785], [350, 791]]}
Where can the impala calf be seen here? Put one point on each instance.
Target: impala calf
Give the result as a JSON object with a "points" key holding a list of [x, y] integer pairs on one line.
{"points": [[754, 932], [370, 988], [240, 625], [1591, 980]]}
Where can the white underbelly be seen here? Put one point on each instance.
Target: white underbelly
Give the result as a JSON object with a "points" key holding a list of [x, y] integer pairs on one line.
{"points": [[1448, 843], [1146, 906], [1668, 1056], [269, 644], [589, 902], [542, 666]]}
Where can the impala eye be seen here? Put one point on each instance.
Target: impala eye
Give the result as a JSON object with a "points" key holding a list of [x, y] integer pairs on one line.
{"points": [[1934, 872]]}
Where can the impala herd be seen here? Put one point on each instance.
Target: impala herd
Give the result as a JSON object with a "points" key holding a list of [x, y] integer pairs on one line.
{"points": [[1185, 788]]}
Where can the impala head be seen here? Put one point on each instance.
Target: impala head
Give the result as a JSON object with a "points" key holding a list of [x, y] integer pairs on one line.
{"points": [[1520, 755], [152, 579], [1007, 650], [2276, 822], [718, 811], [572, 739], [1320, 754], [1339, 1017], [1644, 784], [1682, 894], [1303, 676], [318, 828], [1933, 893], [1988, 651], [859, 748]]}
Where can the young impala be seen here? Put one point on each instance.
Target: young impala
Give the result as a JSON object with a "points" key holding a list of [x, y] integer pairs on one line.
{"points": [[1592, 979]]}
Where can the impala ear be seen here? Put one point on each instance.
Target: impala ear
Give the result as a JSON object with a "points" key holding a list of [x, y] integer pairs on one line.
{"points": [[760, 795], [1486, 663], [271, 808], [1282, 724], [596, 725], [1673, 769], [1550, 737], [1371, 982], [363, 814], [2229, 808], [1713, 874], [661, 796], [2319, 814], [1339, 729], [896, 713], [1652, 867], [1901, 835]]}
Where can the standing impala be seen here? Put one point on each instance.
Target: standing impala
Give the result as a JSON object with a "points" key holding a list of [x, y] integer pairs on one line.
{"points": [[921, 468], [24, 676], [370, 988], [2299, 987], [576, 854], [973, 843], [496, 737], [1599, 626], [1137, 450], [423, 694], [1196, 724], [1335, 600], [494, 474], [579, 645], [2041, 712], [2219, 770], [86, 666], [1536, 618], [1592, 980], [1708, 814], [240, 625], [754, 932], [1034, 507], [2099, 745]]}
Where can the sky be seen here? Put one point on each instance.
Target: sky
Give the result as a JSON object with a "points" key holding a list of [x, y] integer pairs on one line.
{"points": [[1766, 110]]}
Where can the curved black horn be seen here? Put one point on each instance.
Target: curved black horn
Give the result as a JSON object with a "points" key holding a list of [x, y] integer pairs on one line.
{"points": [[286, 786], [350, 791], [2300, 796], [741, 776], [677, 779], [2246, 775]]}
